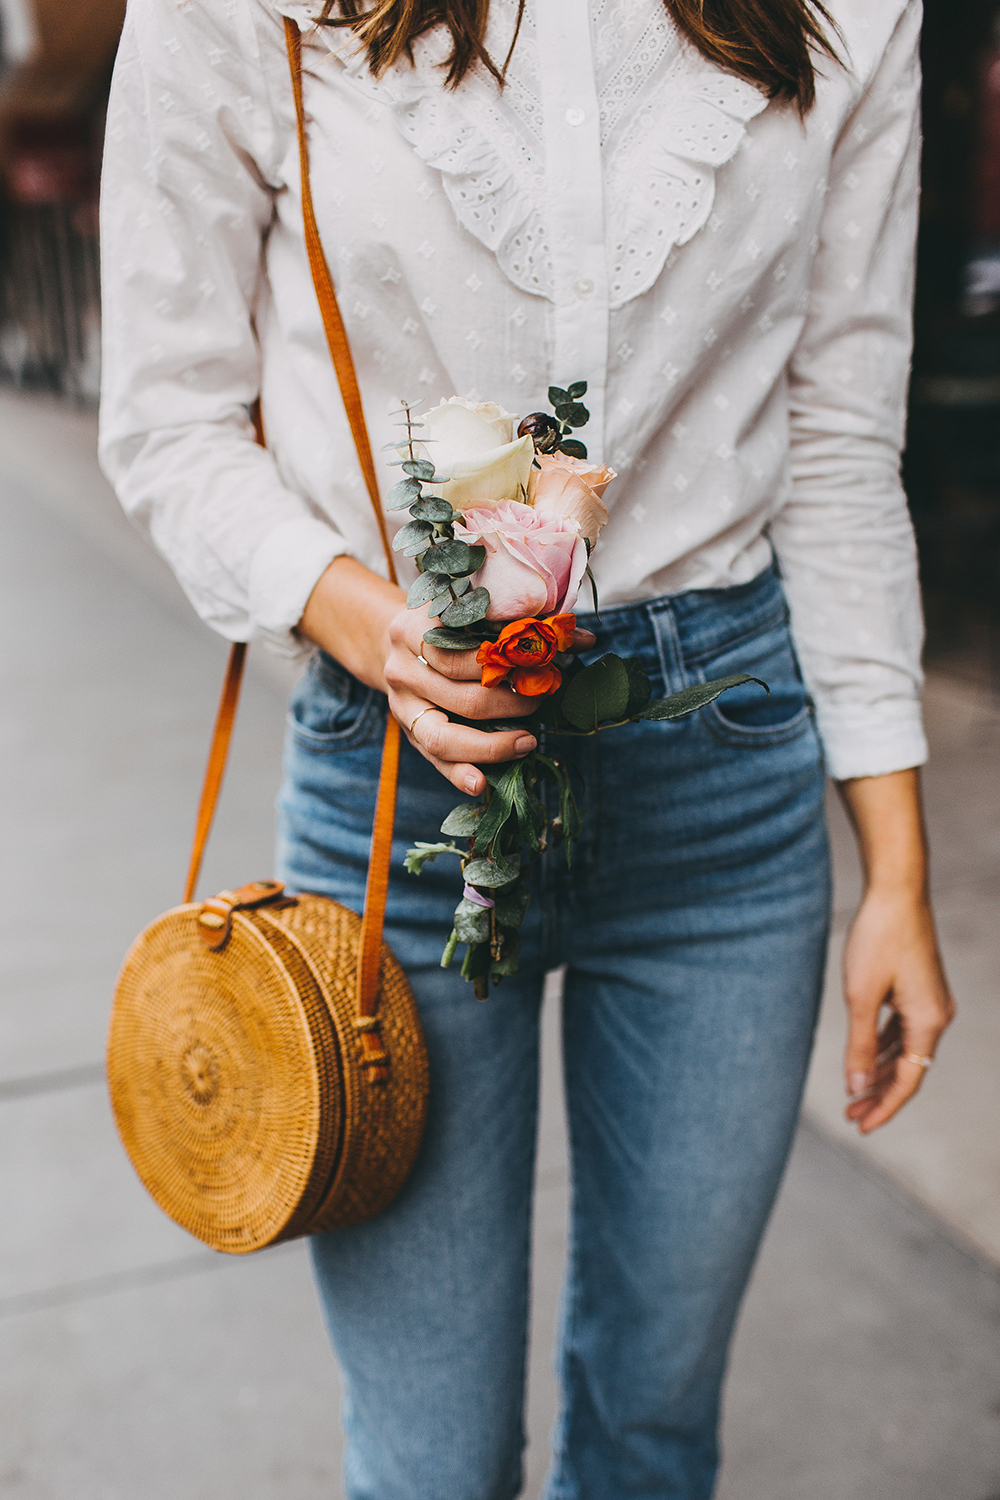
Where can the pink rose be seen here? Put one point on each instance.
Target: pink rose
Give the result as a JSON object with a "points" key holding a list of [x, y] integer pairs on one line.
{"points": [[572, 488], [534, 563]]}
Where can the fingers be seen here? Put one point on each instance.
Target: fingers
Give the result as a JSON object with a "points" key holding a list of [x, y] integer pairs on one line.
{"points": [[453, 749], [900, 1072]]}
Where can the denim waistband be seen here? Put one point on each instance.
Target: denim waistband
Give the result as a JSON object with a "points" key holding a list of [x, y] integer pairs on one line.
{"points": [[700, 621]]}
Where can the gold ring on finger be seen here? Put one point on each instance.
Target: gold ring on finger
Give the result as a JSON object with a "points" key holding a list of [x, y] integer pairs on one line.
{"points": [[425, 710], [914, 1057], [421, 658]]}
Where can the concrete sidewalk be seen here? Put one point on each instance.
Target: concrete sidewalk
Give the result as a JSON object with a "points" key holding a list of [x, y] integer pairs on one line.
{"points": [[133, 1363]]}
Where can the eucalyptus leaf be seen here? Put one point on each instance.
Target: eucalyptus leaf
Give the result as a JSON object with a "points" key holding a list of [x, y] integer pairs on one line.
{"points": [[557, 396], [577, 390], [467, 610], [423, 589], [413, 531], [573, 447], [490, 873], [432, 508], [449, 557], [419, 468], [450, 640], [597, 693], [692, 698], [402, 494], [463, 820], [640, 689], [511, 910], [472, 922]]}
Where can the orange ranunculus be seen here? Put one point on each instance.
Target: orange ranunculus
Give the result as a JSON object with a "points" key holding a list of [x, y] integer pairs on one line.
{"points": [[523, 654]]}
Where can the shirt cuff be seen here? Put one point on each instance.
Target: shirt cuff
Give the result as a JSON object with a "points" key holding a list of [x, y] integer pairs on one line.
{"points": [[286, 568], [871, 743]]}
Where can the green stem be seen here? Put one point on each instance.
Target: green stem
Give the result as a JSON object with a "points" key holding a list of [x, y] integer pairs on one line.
{"points": [[449, 950]]}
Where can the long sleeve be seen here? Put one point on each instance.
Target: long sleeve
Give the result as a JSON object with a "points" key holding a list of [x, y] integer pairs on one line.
{"points": [[844, 539], [188, 199]]}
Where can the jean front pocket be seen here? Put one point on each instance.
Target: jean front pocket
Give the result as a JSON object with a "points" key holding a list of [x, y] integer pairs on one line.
{"points": [[331, 710], [747, 715]]}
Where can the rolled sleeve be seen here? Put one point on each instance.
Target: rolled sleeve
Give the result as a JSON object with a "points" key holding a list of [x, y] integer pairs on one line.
{"points": [[844, 539]]}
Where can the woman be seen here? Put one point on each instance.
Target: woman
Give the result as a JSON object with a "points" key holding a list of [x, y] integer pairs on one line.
{"points": [[707, 212]]}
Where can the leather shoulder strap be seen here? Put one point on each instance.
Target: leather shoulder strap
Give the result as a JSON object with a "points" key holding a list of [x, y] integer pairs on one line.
{"points": [[369, 961], [373, 1055], [333, 323]]}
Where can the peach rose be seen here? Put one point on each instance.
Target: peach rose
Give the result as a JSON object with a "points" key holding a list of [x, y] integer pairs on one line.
{"points": [[534, 563], [572, 488]]}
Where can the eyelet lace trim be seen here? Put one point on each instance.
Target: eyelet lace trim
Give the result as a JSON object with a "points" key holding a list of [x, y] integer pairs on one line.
{"points": [[668, 122]]}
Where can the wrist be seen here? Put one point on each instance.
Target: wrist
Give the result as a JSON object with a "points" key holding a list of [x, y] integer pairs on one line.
{"points": [[348, 615]]}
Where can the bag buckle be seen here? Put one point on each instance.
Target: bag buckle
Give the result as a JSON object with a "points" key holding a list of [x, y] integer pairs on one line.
{"points": [[215, 918]]}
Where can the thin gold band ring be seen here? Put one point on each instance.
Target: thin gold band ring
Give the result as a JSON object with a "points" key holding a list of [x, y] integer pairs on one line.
{"points": [[425, 710], [914, 1057]]}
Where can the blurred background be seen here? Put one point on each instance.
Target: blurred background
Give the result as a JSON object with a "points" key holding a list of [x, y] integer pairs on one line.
{"points": [[135, 1363]]}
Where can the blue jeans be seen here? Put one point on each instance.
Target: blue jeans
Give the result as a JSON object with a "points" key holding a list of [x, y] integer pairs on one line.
{"points": [[693, 925]]}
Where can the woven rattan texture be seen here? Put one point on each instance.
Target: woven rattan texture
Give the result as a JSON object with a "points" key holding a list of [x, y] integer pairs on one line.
{"points": [[384, 1122], [235, 1076]]}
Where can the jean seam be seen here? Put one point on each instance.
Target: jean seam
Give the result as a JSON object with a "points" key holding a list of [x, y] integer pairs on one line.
{"points": [[775, 618]]}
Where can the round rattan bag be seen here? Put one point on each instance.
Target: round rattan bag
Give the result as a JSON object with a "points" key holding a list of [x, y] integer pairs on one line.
{"points": [[254, 1102]]}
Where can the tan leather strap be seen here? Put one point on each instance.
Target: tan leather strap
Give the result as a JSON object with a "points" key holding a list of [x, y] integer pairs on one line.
{"points": [[217, 757], [336, 334], [373, 1056], [343, 362]]}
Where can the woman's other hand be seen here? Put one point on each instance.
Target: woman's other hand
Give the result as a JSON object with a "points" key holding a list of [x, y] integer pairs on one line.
{"points": [[892, 957], [363, 622]]}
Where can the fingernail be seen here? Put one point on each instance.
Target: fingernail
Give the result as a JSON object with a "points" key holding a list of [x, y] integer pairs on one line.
{"points": [[857, 1083], [524, 744], [471, 785]]}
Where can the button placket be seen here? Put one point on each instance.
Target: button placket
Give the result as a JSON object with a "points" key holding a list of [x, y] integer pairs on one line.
{"points": [[575, 203]]}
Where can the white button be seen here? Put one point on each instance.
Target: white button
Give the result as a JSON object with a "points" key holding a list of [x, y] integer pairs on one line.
{"points": [[575, 116], [583, 287]]}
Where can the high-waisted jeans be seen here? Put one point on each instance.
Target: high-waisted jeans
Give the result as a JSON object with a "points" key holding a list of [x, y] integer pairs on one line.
{"points": [[693, 927]]}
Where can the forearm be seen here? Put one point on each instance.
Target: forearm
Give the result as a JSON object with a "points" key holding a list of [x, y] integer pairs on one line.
{"points": [[887, 817], [348, 614]]}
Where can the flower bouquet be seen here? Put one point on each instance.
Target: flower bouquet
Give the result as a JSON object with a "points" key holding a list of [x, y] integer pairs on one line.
{"points": [[502, 527]]}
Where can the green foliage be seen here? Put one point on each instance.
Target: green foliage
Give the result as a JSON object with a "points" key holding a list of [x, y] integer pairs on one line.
{"points": [[692, 698], [419, 468], [510, 956], [421, 853], [640, 689], [447, 557], [577, 390], [490, 873], [431, 508], [573, 413], [599, 692], [423, 589], [446, 640], [414, 532], [467, 610], [463, 820], [472, 922], [512, 909], [403, 494], [573, 447]]}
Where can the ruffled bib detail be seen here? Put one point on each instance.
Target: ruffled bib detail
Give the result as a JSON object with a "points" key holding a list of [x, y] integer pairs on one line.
{"points": [[487, 147]]}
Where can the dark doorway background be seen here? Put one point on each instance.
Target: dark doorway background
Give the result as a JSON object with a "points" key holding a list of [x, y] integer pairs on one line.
{"points": [[952, 463]]}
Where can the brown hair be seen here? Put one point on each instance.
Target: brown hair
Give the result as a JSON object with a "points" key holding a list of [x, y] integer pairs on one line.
{"points": [[769, 43]]}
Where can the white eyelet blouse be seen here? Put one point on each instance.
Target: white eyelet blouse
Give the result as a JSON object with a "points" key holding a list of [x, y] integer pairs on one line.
{"points": [[733, 284]]}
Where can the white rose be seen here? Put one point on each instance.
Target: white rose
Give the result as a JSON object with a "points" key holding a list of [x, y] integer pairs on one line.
{"points": [[461, 438], [501, 421]]}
